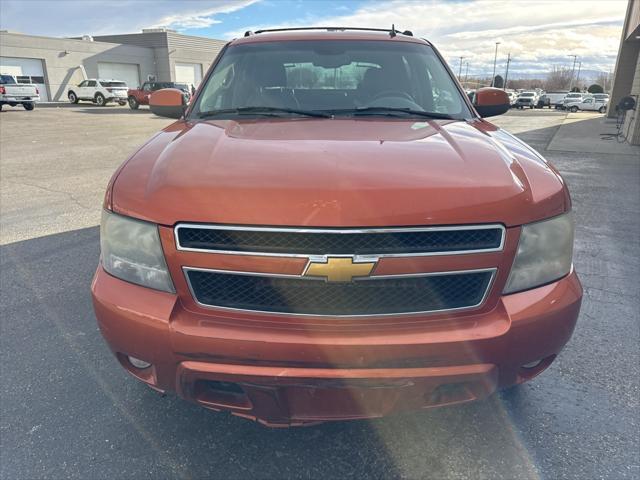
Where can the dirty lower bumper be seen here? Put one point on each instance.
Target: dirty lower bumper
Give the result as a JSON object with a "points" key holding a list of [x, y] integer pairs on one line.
{"points": [[285, 377]]}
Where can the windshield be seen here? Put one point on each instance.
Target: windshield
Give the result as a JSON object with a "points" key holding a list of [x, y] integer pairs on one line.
{"points": [[574, 95], [113, 84], [528, 94], [331, 76]]}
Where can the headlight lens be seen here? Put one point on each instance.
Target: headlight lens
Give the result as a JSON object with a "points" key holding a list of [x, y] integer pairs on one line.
{"points": [[131, 251], [544, 253]]}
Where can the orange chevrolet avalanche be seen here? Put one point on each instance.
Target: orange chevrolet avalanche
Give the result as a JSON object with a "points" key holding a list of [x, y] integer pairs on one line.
{"points": [[331, 230]]}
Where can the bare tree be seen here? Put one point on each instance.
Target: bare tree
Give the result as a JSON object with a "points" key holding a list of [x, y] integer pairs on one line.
{"points": [[526, 83], [559, 78]]}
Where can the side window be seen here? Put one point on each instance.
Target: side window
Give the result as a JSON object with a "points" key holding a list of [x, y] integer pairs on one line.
{"points": [[91, 83], [83, 83], [589, 100], [147, 87]]}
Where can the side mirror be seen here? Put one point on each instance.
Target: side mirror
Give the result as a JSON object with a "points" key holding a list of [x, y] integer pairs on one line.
{"points": [[168, 102], [490, 102]]}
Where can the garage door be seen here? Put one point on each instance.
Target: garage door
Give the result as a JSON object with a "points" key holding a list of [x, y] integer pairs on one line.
{"points": [[126, 72], [26, 70], [189, 73]]}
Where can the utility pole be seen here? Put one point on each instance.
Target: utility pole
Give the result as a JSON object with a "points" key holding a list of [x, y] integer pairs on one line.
{"points": [[506, 73], [578, 76], [460, 69], [495, 59], [466, 73], [572, 70]]}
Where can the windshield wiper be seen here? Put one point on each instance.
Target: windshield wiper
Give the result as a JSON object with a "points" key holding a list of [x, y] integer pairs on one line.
{"points": [[392, 111], [270, 111]]}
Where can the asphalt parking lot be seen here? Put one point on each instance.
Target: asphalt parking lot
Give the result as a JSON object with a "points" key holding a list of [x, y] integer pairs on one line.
{"points": [[69, 411]]}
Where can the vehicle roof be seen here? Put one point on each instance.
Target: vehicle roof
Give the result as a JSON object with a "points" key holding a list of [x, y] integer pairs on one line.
{"points": [[295, 35]]}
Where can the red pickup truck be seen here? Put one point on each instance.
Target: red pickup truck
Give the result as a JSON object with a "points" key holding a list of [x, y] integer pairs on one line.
{"points": [[140, 96]]}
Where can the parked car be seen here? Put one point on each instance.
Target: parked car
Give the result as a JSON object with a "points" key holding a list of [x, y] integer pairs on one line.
{"points": [[99, 91], [527, 99], [572, 97], [296, 251], [140, 96], [601, 96], [543, 101], [551, 99], [588, 104], [513, 96], [13, 93]]}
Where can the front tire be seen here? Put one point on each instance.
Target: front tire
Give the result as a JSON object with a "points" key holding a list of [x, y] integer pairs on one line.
{"points": [[133, 103], [602, 109], [574, 109], [73, 98], [29, 106], [100, 100], [122, 103]]}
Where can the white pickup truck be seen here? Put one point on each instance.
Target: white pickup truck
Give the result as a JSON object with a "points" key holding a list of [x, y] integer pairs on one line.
{"points": [[14, 93], [594, 104]]}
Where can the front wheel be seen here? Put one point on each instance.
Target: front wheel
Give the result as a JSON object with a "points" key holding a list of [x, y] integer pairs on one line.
{"points": [[29, 106], [122, 103], [602, 109], [73, 98], [100, 100], [133, 103], [574, 109]]}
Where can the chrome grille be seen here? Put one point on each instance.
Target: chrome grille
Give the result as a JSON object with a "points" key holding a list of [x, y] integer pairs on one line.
{"points": [[414, 241]]}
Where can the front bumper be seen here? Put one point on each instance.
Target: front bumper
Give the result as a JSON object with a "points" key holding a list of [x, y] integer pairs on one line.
{"points": [[281, 375]]}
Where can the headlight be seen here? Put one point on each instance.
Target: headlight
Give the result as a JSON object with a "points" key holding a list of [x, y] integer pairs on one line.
{"points": [[131, 251], [544, 253]]}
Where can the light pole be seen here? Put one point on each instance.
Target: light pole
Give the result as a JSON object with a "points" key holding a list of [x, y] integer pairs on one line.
{"points": [[495, 59], [506, 73], [578, 75], [573, 69], [466, 73], [460, 69]]}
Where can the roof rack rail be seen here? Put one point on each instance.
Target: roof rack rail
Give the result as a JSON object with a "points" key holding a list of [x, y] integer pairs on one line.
{"points": [[392, 31]]}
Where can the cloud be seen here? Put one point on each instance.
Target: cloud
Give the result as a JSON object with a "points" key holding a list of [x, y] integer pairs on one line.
{"points": [[534, 32], [72, 18], [199, 18]]}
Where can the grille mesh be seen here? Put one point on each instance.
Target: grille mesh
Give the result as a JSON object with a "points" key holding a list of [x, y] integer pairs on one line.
{"points": [[317, 297], [288, 242]]}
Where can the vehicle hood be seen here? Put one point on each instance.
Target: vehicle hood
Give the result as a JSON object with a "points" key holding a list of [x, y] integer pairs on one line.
{"points": [[337, 172]]}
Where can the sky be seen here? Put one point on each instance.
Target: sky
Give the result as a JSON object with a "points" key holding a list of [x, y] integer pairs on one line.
{"points": [[538, 33]]}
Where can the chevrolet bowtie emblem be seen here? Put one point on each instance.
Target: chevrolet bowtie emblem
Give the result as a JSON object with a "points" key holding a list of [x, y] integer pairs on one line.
{"points": [[339, 269]]}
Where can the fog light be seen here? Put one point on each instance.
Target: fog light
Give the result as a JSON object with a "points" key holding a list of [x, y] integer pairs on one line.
{"points": [[136, 362], [532, 364]]}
